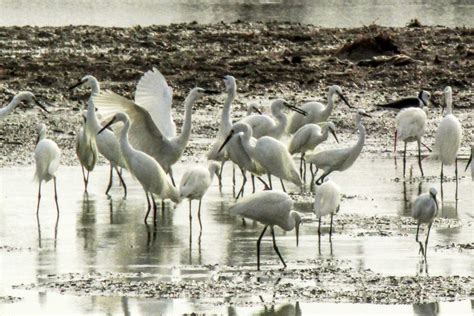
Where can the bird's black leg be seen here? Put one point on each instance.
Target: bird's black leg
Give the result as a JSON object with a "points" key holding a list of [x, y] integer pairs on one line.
{"points": [[39, 199], [264, 183], [319, 228], [304, 168], [276, 248], [154, 208], [84, 178], [419, 159], [220, 173], [149, 207], [282, 185], [253, 182], [442, 174], [427, 236], [110, 180], [258, 246], [456, 175], [419, 242], [199, 214], [190, 215], [301, 165], [122, 182], [56, 195], [330, 227], [244, 180], [404, 159], [270, 181], [395, 142], [87, 179]]}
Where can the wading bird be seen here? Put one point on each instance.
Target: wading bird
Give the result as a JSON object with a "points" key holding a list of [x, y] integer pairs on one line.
{"points": [[469, 162], [411, 123], [47, 156], [253, 107], [144, 168], [339, 159], [448, 136], [316, 112], [106, 142], [86, 153], [152, 128], [224, 126], [422, 99], [194, 185], [264, 125], [327, 200], [270, 154], [307, 138], [271, 209], [22, 97], [424, 210]]}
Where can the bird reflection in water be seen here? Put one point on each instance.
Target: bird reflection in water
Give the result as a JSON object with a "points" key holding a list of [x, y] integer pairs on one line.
{"points": [[428, 309], [56, 225]]}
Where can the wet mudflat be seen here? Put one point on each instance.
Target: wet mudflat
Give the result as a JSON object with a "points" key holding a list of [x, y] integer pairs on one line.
{"points": [[102, 258]]}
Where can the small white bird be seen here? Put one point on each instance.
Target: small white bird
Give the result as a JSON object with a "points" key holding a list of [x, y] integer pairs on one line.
{"points": [[448, 136], [144, 168], [424, 210], [106, 142], [22, 97], [469, 162], [47, 157], [264, 125], [269, 153], [152, 128], [307, 138], [270, 208], [194, 185], [339, 159], [327, 200], [86, 152], [411, 123], [316, 112]]}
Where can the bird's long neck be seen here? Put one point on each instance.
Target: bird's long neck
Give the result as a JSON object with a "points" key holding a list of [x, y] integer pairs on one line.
{"points": [[329, 107], [124, 143], [95, 87], [247, 135], [281, 125], [361, 140], [183, 138], [325, 132], [226, 122], [7, 109], [449, 103], [212, 172], [92, 122]]}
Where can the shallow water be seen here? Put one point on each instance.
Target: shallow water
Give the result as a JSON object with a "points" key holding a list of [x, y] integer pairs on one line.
{"points": [[339, 13], [97, 234]]}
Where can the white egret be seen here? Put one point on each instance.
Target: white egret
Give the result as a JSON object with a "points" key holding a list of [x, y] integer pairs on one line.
{"points": [[316, 112], [411, 124], [327, 200], [86, 153], [144, 168], [422, 99], [225, 124], [270, 208], [253, 107], [152, 128], [469, 162], [307, 138], [264, 125], [424, 209], [106, 142], [269, 153], [339, 159], [47, 157], [22, 97], [448, 136], [194, 185]]}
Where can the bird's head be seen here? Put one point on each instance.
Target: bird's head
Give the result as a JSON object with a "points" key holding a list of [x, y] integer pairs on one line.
{"points": [[279, 104], [214, 168], [197, 93], [87, 81], [236, 129], [27, 98], [335, 89], [425, 97], [119, 117], [41, 132], [433, 193], [359, 115], [230, 85], [297, 218], [253, 107], [332, 129]]}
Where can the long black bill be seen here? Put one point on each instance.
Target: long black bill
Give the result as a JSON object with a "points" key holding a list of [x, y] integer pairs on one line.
{"points": [[365, 114], [75, 85], [210, 92], [344, 99], [257, 110], [334, 134], [468, 162], [226, 140], [107, 125], [40, 105], [297, 229], [296, 109]]}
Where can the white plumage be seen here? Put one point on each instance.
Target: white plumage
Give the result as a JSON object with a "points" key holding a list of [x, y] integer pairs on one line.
{"points": [[316, 112], [86, 152], [47, 157], [270, 208], [195, 183], [327, 198], [144, 168], [342, 158], [424, 209], [24, 96]]}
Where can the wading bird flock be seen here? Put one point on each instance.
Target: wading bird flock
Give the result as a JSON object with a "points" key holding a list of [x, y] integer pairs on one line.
{"points": [[147, 146]]}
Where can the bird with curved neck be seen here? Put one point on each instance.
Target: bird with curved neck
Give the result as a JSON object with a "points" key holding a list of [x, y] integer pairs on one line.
{"points": [[86, 153], [316, 112], [144, 168], [448, 136], [339, 159], [307, 138], [22, 97], [264, 125], [106, 143], [269, 153]]}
